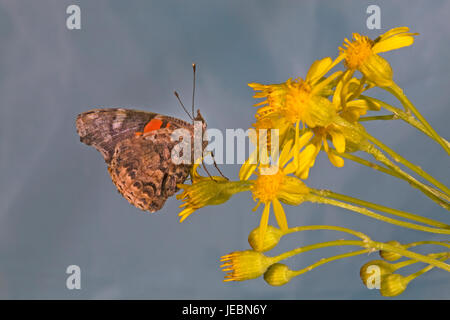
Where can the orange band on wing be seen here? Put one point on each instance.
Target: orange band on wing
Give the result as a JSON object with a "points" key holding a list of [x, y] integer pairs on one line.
{"points": [[153, 124]]}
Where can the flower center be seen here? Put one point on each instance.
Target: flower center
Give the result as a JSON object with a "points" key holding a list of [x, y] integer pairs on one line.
{"points": [[266, 187], [298, 97], [357, 51]]}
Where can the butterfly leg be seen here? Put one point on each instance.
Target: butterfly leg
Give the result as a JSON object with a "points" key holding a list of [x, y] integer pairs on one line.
{"points": [[217, 167], [206, 170]]}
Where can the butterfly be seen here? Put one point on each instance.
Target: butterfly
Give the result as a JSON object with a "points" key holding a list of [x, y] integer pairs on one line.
{"points": [[137, 147]]}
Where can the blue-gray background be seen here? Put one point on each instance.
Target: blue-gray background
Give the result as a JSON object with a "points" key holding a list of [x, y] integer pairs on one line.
{"points": [[58, 206]]}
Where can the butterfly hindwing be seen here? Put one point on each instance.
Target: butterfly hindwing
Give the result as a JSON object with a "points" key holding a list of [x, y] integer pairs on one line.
{"points": [[143, 172]]}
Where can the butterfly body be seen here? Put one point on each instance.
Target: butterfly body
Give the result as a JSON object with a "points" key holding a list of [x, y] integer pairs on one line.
{"points": [[137, 147]]}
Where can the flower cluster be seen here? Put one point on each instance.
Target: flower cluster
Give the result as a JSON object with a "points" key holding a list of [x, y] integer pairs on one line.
{"points": [[326, 111]]}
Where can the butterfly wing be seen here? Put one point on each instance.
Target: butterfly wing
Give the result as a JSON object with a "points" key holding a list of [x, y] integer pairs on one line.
{"points": [[143, 171], [104, 128], [140, 165]]}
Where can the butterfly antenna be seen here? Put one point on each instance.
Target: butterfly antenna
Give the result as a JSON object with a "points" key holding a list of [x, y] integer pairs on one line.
{"points": [[194, 68], [182, 105]]}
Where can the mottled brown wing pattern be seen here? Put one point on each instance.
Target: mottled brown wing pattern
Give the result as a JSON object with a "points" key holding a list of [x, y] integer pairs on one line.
{"points": [[104, 128], [142, 170], [140, 165]]}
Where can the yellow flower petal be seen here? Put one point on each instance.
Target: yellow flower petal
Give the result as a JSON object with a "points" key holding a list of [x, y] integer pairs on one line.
{"points": [[338, 140], [307, 155], [392, 32], [263, 224], [325, 144], [185, 213], [394, 43], [337, 92], [286, 153], [305, 174], [304, 139], [335, 160], [280, 215], [306, 161], [318, 69], [372, 104], [360, 104], [249, 166]]}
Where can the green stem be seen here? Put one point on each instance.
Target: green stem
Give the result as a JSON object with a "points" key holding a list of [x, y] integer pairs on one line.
{"points": [[384, 117], [234, 187], [366, 146], [432, 193], [356, 253], [320, 245], [408, 164], [420, 272], [398, 93], [395, 212], [412, 255], [406, 263], [379, 156], [319, 199], [360, 235], [369, 164], [405, 116], [326, 260], [419, 243], [372, 245]]}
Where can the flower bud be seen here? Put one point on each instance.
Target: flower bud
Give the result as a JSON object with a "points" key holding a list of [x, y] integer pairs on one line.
{"points": [[391, 256], [366, 273], [393, 284], [278, 274], [205, 191], [271, 239], [245, 265]]}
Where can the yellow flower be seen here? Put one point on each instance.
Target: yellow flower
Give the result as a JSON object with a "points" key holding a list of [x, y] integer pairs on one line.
{"points": [[303, 105], [273, 185], [245, 265], [301, 100], [313, 141], [361, 53], [273, 121], [278, 274], [345, 98], [262, 139], [207, 191]]}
